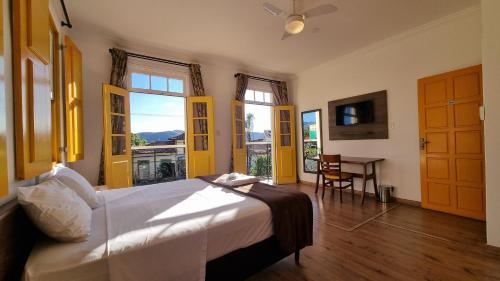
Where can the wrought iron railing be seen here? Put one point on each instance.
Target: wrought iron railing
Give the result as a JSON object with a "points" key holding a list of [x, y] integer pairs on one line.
{"points": [[259, 159], [162, 163]]}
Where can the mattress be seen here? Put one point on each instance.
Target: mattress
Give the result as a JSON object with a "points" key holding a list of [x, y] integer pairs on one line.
{"points": [[235, 221]]}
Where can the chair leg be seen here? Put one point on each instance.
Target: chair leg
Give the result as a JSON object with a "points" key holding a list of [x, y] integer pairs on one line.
{"points": [[340, 191], [323, 192], [352, 188]]}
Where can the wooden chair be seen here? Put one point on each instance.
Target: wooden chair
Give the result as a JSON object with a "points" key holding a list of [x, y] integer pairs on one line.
{"points": [[331, 171]]}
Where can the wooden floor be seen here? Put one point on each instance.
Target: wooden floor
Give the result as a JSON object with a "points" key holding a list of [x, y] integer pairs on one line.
{"points": [[388, 242]]}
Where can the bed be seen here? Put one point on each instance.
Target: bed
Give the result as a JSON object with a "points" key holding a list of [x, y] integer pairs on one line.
{"points": [[193, 230]]}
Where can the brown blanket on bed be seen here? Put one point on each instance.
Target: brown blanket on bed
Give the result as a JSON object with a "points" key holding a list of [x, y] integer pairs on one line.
{"points": [[291, 211]]}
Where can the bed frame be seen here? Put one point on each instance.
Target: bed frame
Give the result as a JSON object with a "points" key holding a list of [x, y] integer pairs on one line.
{"points": [[18, 236]]}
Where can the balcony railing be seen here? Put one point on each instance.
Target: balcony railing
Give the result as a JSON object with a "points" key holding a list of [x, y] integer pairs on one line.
{"points": [[162, 163], [259, 160]]}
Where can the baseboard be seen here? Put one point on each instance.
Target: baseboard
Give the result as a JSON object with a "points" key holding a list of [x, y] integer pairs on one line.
{"points": [[371, 194]]}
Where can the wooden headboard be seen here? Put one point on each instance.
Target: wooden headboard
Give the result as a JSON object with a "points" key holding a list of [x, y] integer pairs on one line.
{"points": [[17, 237]]}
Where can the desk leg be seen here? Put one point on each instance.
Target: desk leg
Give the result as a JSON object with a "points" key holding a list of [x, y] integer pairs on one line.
{"points": [[364, 185], [374, 173], [317, 177]]}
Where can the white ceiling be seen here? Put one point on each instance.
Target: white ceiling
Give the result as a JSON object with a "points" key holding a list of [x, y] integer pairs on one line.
{"points": [[241, 31]]}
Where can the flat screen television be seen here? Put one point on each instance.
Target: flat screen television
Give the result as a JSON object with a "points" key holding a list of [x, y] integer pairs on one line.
{"points": [[355, 113]]}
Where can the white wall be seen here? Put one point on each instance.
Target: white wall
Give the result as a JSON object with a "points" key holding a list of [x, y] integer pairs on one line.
{"points": [[491, 91], [395, 65], [218, 78]]}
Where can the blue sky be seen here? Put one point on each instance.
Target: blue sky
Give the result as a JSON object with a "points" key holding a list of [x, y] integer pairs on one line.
{"points": [[309, 117], [262, 115], [156, 113]]}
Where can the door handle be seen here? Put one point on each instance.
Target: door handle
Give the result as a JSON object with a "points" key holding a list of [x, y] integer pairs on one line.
{"points": [[423, 142]]}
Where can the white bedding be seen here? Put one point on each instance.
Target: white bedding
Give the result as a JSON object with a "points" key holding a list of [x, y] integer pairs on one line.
{"points": [[163, 215]]}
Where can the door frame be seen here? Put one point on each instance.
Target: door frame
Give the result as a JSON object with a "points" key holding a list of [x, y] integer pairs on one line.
{"points": [[271, 108]]}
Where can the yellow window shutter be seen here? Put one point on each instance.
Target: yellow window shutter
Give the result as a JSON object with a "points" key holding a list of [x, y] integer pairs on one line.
{"points": [[200, 133], [4, 180], [239, 143], [74, 100], [285, 156], [33, 127], [117, 142], [56, 93]]}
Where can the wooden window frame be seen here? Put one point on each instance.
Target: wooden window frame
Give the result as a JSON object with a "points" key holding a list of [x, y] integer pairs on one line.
{"points": [[56, 93], [254, 89], [161, 71]]}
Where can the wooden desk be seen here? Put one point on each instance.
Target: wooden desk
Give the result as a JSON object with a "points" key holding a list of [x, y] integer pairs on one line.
{"points": [[362, 161]]}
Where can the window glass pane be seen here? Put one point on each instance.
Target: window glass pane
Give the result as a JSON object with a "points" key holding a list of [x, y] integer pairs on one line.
{"points": [[118, 145], [238, 113], [239, 127], [117, 103], [286, 140], [200, 126], [284, 127], [249, 95], [199, 109], [239, 141], [200, 143], [284, 115], [267, 97], [175, 85], [140, 81], [159, 83], [259, 96], [118, 124]]}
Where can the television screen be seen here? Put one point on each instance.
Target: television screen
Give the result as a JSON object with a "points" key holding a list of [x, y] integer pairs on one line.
{"points": [[354, 113]]}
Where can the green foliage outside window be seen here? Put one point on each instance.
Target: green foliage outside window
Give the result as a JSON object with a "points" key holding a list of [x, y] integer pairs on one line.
{"points": [[137, 140], [310, 149], [261, 167]]}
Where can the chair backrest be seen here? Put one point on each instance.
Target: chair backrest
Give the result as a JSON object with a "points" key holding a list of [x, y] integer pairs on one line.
{"points": [[330, 164]]}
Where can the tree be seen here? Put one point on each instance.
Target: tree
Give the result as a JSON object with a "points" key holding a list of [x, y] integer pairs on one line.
{"points": [[137, 140], [261, 167], [249, 125]]}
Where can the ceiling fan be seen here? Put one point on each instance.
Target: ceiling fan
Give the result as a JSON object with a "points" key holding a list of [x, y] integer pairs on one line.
{"points": [[295, 22]]}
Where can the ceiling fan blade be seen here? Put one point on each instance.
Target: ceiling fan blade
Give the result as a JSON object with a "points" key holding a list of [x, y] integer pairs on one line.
{"points": [[273, 10], [320, 10], [286, 35]]}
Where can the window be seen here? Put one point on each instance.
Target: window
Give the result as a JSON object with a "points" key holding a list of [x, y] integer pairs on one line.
{"points": [[311, 139], [156, 84], [144, 170], [158, 120], [258, 97]]}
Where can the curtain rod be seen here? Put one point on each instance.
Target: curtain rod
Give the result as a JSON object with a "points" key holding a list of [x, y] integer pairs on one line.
{"points": [[258, 78], [144, 57], [67, 22]]}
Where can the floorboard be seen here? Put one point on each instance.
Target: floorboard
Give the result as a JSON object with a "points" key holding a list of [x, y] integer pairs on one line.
{"points": [[403, 243]]}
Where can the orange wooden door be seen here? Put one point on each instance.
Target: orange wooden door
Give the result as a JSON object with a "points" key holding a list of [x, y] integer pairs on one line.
{"points": [[451, 142]]}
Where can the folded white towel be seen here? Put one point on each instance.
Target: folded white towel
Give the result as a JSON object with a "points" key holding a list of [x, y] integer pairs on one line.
{"points": [[234, 179]]}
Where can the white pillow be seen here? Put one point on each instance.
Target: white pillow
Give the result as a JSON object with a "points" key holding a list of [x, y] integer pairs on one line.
{"points": [[57, 210], [78, 184]]}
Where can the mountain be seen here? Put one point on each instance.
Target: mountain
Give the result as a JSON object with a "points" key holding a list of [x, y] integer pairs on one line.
{"points": [[256, 136], [166, 135], [159, 136]]}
